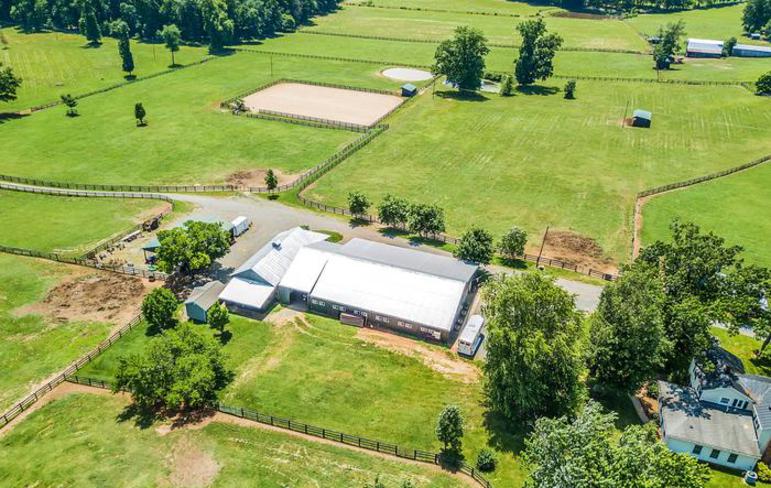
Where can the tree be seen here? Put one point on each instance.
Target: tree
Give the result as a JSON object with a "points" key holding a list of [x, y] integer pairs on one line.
{"points": [[159, 307], [507, 86], [728, 46], [182, 369], [669, 44], [191, 248], [358, 203], [763, 85], [756, 14], [30, 14], [71, 103], [139, 114], [271, 182], [88, 24], [570, 90], [172, 38], [534, 347], [393, 211], [218, 25], [628, 342], [475, 245], [424, 219], [584, 453], [124, 48], [462, 58], [536, 52], [238, 106], [9, 83], [513, 243], [449, 430], [218, 317]]}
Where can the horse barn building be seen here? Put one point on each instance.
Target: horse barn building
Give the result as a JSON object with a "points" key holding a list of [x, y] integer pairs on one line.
{"points": [[366, 283]]}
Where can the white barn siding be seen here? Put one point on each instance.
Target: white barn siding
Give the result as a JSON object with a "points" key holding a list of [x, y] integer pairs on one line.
{"points": [[743, 462], [716, 395]]}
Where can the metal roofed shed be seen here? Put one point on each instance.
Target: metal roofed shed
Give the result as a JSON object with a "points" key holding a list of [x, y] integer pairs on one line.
{"points": [[202, 299], [704, 48], [409, 90], [751, 51], [641, 118]]}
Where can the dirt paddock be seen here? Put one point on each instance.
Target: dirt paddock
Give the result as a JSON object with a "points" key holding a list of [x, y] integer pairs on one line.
{"points": [[321, 102]]}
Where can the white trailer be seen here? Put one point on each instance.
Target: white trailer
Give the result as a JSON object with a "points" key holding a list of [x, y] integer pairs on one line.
{"points": [[240, 225], [471, 336]]}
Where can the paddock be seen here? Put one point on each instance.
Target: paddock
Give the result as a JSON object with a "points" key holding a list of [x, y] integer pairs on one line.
{"points": [[322, 102]]}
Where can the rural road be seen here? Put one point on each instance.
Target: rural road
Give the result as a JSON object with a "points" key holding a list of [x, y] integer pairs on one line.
{"points": [[269, 218]]}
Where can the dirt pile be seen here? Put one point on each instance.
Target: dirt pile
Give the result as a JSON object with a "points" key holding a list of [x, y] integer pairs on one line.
{"points": [[577, 249], [256, 178]]}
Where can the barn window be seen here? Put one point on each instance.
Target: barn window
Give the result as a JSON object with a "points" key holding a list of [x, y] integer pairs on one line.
{"points": [[697, 449], [732, 458], [724, 401], [714, 454]]}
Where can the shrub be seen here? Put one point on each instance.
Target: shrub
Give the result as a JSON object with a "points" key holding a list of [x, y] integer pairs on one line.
{"points": [[728, 46], [486, 460], [653, 389], [763, 85], [570, 89], [764, 472], [158, 308], [507, 86], [494, 76]]}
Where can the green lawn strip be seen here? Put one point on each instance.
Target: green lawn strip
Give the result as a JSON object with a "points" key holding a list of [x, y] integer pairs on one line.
{"points": [[436, 26], [744, 348], [733, 207], [567, 164], [31, 347], [52, 64], [67, 225], [475, 6], [188, 140], [101, 449]]}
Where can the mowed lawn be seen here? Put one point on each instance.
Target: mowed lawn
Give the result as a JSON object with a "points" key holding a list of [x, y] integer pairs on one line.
{"points": [[436, 26], [188, 139], [32, 347], [536, 159], [79, 440], [503, 7], [52, 64], [67, 225], [734, 207], [317, 371]]}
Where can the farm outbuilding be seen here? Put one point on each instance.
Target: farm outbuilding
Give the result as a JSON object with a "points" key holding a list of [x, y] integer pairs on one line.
{"points": [[751, 51], [704, 48], [202, 299], [409, 90], [641, 118], [372, 284]]}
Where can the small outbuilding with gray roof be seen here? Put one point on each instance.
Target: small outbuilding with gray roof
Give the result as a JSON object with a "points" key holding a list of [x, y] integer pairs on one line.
{"points": [[202, 299]]}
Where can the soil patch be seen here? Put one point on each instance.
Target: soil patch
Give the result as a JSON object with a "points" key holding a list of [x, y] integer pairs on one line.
{"points": [[256, 177], [93, 297], [577, 249], [190, 466], [451, 367]]}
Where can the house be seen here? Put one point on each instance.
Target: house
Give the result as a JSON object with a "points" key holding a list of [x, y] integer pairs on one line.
{"points": [[751, 51], [704, 48], [723, 417], [409, 90], [252, 286], [367, 283], [641, 118], [202, 299]]}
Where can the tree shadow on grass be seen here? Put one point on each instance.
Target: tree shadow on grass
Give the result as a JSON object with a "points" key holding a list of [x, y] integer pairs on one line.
{"points": [[393, 232], [513, 263], [763, 363], [358, 222], [142, 418], [537, 90], [463, 96], [224, 337], [504, 435], [7, 117]]}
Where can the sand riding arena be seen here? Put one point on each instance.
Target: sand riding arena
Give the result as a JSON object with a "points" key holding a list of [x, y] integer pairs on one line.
{"points": [[323, 102]]}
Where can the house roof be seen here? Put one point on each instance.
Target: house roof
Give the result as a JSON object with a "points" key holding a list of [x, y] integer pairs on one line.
{"points": [[687, 419], [718, 369], [206, 295], [759, 389], [642, 114], [271, 262]]}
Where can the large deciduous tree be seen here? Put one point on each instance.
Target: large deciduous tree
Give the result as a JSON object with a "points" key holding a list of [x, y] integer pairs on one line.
{"points": [[536, 52], [476, 245], [159, 307], [218, 25], [462, 58], [9, 83], [424, 219], [757, 14], [191, 248], [534, 347], [358, 203], [449, 430], [669, 44], [513, 243], [393, 211]]}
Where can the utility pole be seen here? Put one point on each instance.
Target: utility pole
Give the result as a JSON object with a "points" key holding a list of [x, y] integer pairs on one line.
{"points": [[271, 66], [543, 243]]}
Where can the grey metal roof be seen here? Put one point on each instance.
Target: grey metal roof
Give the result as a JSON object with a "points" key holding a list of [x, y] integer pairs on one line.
{"points": [[423, 262], [206, 295], [706, 46], [642, 114], [752, 47], [759, 389], [687, 419]]}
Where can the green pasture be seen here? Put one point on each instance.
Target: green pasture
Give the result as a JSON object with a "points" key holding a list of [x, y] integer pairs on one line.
{"points": [[67, 225], [436, 26], [713, 23], [103, 449], [745, 348], [33, 348], [52, 64], [734, 207], [188, 139], [536, 159], [478, 6]]}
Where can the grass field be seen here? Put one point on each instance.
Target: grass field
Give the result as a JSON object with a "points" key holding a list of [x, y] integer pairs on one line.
{"points": [[31, 347], [734, 207], [437, 26], [102, 450], [567, 164], [52, 64], [181, 108], [67, 225], [483, 6]]}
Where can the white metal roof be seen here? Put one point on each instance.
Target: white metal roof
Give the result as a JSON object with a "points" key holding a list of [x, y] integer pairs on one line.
{"points": [[409, 295], [473, 326], [305, 269], [271, 262], [252, 294], [705, 46]]}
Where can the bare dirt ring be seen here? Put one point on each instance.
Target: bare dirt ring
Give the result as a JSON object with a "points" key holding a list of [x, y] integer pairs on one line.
{"points": [[321, 102]]}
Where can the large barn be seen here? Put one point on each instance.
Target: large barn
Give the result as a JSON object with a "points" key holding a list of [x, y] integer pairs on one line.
{"points": [[369, 283], [704, 48]]}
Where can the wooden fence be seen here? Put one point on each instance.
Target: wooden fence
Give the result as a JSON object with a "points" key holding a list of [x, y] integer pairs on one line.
{"points": [[314, 121], [321, 432], [73, 368]]}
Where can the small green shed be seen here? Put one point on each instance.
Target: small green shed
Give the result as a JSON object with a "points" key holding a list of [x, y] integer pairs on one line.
{"points": [[202, 299], [409, 90], [641, 118]]}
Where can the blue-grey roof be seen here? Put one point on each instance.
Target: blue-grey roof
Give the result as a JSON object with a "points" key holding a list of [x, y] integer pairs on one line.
{"points": [[642, 114], [206, 295], [752, 47], [718, 368], [759, 389], [409, 87]]}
